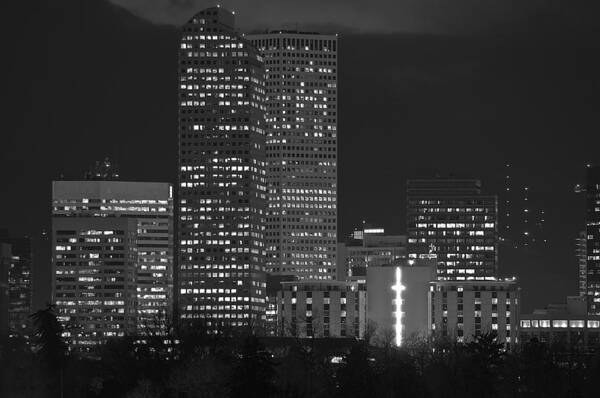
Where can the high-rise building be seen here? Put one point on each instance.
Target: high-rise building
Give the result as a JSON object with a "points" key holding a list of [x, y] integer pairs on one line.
{"points": [[222, 182], [301, 128], [452, 220], [581, 256], [523, 217], [593, 238], [112, 255], [466, 309]]}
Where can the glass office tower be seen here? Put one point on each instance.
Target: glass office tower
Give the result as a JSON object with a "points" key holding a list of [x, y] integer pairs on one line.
{"points": [[222, 182]]}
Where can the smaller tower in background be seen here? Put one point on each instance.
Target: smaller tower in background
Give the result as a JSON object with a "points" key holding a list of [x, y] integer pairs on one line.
{"points": [[581, 255]]}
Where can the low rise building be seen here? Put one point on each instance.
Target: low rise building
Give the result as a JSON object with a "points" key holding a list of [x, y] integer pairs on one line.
{"points": [[466, 309], [321, 308], [567, 324]]}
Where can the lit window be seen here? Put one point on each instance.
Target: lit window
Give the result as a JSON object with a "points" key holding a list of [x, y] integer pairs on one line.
{"points": [[559, 323]]}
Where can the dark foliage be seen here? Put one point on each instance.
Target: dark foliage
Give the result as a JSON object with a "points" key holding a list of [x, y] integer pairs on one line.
{"points": [[192, 363]]}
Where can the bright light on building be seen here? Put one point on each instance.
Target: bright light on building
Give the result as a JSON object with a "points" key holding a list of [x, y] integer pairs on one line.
{"points": [[398, 287]]}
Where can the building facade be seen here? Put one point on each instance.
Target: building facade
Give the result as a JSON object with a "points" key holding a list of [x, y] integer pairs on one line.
{"points": [[398, 307], [368, 247], [452, 220], [313, 308], [465, 309], [222, 181], [593, 238], [112, 258], [301, 88], [567, 324]]}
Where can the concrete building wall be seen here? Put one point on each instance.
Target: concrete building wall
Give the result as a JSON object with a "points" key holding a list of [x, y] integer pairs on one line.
{"points": [[413, 281]]}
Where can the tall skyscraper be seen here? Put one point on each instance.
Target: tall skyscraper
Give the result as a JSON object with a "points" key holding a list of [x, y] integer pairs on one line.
{"points": [[593, 238], [452, 220], [581, 256], [222, 185], [523, 217], [301, 128], [112, 252]]}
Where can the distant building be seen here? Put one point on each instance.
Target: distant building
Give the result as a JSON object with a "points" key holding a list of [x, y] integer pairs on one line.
{"points": [[398, 306], [19, 283], [452, 220], [319, 308], [104, 170], [593, 238], [369, 247], [464, 309], [222, 177], [301, 128], [581, 256], [112, 257], [273, 288], [523, 217], [567, 324], [5, 261]]}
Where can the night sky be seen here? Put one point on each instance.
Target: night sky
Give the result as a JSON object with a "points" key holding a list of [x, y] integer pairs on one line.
{"points": [[425, 87]]}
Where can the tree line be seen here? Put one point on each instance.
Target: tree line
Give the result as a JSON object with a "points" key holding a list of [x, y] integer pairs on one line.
{"points": [[190, 362]]}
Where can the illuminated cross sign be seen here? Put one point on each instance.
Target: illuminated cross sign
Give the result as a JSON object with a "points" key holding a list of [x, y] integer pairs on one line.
{"points": [[398, 287]]}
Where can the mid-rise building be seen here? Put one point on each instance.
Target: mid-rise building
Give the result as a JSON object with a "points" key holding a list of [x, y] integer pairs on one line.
{"points": [[466, 309], [566, 324], [452, 220], [398, 306], [593, 238], [222, 180], [319, 308], [301, 89], [112, 257]]}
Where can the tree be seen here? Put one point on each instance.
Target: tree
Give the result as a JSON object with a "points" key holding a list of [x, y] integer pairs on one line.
{"points": [[253, 372], [49, 344]]}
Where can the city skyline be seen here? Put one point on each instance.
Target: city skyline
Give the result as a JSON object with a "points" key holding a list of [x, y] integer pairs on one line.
{"points": [[376, 183], [310, 199]]}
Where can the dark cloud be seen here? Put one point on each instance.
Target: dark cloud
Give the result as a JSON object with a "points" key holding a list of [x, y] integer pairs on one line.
{"points": [[381, 16]]}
